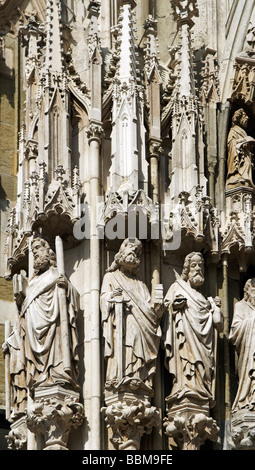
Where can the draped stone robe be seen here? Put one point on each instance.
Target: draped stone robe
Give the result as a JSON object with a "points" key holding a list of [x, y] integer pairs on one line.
{"points": [[17, 369], [240, 159], [141, 330], [189, 341], [242, 335], [42, 331]]}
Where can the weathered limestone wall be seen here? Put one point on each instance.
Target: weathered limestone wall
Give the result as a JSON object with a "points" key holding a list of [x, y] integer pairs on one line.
{"points": [[8, 169]]}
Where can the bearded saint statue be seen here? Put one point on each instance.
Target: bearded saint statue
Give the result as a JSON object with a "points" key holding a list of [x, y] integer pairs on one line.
{"points": [[130, 323], [242, 335], [189, 334], [41, 311]]}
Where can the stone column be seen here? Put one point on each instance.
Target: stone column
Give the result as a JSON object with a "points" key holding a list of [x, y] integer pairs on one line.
{"points": [[154, 155], [95, 133], [225, 308]]}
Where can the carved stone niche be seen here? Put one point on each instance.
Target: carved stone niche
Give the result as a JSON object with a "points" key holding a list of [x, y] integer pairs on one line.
{"points": [[54, 413], [130, 415], [188, 425], [243, 430], [237, 199], [239, 227], [17, 437]]}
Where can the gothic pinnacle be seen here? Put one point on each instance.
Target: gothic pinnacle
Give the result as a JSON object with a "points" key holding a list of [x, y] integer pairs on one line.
{"points": [[54, 43], [183, 12]]}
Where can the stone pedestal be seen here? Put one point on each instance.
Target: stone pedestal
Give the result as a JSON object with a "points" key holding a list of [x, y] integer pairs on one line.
{"points": [[130, 416], [188, 425], [55, 411], [243, 430]]}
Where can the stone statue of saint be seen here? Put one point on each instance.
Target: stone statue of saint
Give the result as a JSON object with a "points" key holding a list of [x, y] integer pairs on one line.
{"points": [[242, 335], [189, 334], [240, 152], [14, 348], [249, 48], [48, 361], [130, 323]]}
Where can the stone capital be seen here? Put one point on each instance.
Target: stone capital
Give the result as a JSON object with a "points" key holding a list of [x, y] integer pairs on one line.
{"points": [[53, 414], [188, 425], [155, 148], [243, 430], [17, 437], [129, 417], [95, 132]]}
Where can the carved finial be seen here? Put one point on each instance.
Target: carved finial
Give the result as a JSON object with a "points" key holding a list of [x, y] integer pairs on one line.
{"points": [[76, 180], [152, 52], [93, 36], [59, 171], [210, 85], [27, 192], [94, 8], [132, 3], [31, 36], [184, 10], [42, 170], [34, 178]]}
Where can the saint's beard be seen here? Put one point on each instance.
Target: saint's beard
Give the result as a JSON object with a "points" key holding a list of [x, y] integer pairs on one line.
{"points": [[251, 300], [196, 280], [41, 262], [130, 260]]}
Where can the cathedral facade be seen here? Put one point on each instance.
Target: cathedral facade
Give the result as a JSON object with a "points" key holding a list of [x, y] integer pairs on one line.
{"points": [[127, 215]]}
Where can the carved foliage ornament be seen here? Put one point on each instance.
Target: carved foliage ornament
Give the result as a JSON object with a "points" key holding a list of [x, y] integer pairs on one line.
{"points": [[129, 421], [191, 433], [54, 418]]}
